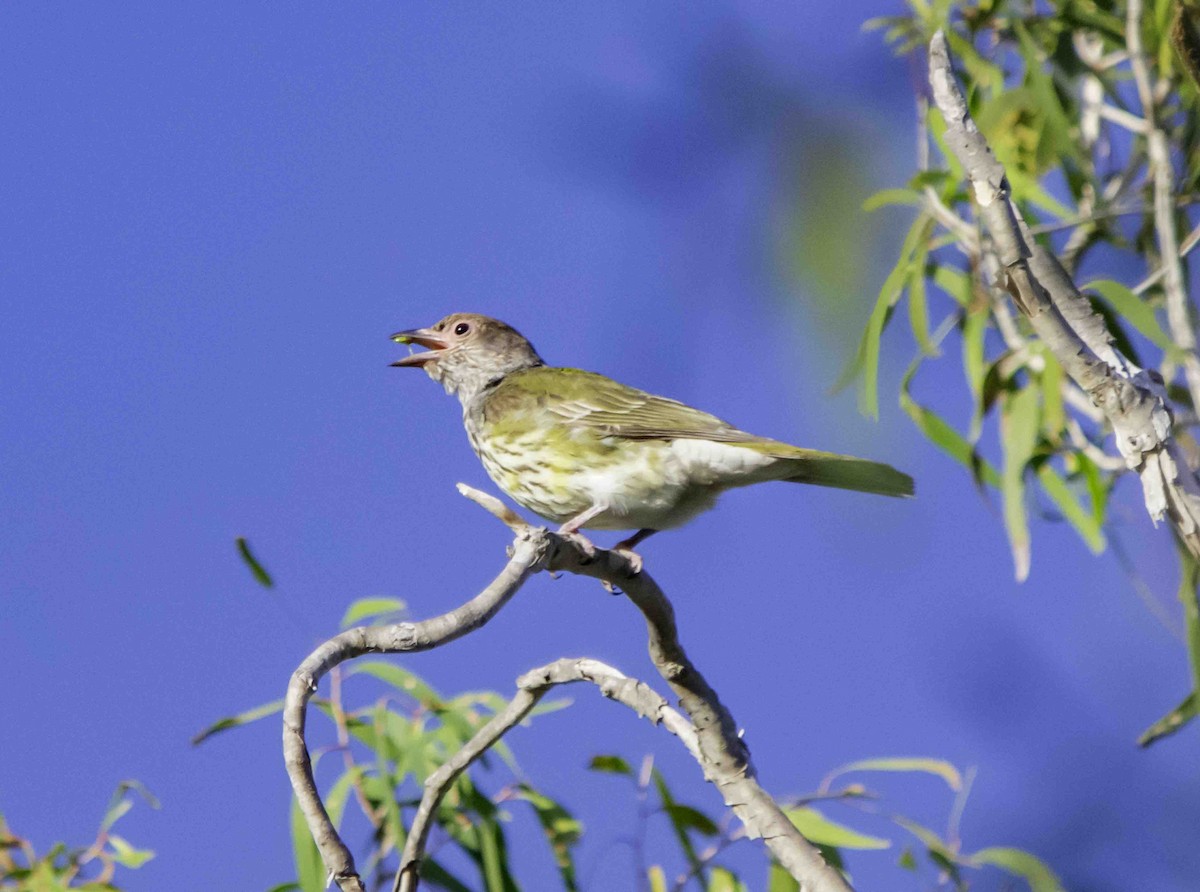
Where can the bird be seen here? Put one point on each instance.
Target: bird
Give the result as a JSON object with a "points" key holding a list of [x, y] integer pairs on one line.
{"points": [[587, 452]]}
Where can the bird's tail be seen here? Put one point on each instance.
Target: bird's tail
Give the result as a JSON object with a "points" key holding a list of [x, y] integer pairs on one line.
{"points": [[799, 465]]}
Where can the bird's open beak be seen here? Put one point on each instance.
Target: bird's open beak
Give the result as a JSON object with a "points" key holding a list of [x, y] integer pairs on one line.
{"points": [[424, 337]]}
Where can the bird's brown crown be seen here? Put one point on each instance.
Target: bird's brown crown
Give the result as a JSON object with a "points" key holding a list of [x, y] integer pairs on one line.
{"points": [[468, 351]]}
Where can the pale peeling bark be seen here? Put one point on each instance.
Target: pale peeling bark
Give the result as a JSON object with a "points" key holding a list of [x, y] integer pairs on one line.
{"points": [[712, 736], [1133, 400]]}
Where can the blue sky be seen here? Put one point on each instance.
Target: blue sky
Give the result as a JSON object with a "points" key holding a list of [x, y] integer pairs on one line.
{"points": [[214, 217]]}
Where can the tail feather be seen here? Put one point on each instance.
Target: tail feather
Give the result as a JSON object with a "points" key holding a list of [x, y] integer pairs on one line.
{"points": [[840, 471], [845, 472]]}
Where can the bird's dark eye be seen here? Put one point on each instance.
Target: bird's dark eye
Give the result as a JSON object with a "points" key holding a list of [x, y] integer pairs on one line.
{"points": [[462, 328]]}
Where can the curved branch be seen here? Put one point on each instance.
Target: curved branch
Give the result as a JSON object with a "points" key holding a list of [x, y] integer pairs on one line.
{"points": [[531, 687], [723, 756], [1133, 400], [530, 553]]}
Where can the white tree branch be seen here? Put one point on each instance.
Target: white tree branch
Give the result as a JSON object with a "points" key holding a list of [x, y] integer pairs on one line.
{"points": [[713, 737], [1133, 400], [531, 687], [1162, 175], [530, 554]]}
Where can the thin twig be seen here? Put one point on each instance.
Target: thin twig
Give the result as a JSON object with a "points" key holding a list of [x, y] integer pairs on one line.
{"points": [[1158, 150], [531, 687], [530, 554]]}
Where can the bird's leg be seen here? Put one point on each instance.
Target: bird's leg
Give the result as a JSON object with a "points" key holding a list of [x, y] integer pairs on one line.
{"points": [[626, 546], [570, 529]]}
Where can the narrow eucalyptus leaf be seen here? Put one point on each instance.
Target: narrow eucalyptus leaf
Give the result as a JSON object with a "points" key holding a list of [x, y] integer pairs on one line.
{"points": [[1019, 430], [242, 718], [1023, 864], [378, 609], [259, 571], [819, 829]]}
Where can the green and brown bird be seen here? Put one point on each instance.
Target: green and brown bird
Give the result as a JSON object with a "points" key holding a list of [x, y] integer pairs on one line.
{"points": [[585, 451]]}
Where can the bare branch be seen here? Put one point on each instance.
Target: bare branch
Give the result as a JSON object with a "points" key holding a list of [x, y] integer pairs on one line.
{"points": [[724, 756], [530, 554], [1162, 174], [531, 687], [1133, 401], [713, 737]]}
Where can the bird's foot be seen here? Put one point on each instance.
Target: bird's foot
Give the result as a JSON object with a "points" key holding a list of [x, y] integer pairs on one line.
{"points": [[635, 559], [625, 549], [581, 542]]}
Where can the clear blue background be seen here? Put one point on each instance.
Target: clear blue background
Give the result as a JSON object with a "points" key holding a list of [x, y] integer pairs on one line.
{"points": [[212, 218]]}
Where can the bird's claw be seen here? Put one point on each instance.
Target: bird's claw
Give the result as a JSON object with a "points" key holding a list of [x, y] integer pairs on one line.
{"points": [[582, 543], [635, 560]]}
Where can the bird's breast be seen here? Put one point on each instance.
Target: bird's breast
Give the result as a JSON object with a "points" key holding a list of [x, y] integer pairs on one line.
{"points": [[558, 472]]}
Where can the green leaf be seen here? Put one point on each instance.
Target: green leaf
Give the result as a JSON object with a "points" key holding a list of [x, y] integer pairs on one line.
{"points": [[958, 285], [722, 880], [399, 678], [819, 829], [937, 767], [119, 803], [125, 854], [681, 819], [1189, 579], [1021, 863], [942, 435], [310, 870], [610, 764], [684, 817], [918, 306], [335, 799], [1133, 309], [1019, 427], [1054, 416], [545, 707], [865, 361], [562, 831], [939, 850], [494, 868], [890, 197], [974, 332], [381, 610], [393, 822], [260, 572], [779, 880], [436, 875], [1172, 721], [242, 718], [1085, 523]]}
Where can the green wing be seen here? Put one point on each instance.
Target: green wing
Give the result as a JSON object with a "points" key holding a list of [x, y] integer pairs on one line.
{"points": [[586, 399], [576, 397]]}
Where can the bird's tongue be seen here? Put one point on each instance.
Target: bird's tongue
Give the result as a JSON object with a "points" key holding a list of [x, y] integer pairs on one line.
{"points": [[423, 337]]}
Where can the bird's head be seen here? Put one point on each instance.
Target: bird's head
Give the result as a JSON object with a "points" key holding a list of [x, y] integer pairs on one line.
{"points": [[466, 352]]}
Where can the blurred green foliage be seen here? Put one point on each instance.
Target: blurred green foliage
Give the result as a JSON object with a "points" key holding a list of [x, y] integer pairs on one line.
{"points": [[388, 744], [63, 867], [1052, 85]]}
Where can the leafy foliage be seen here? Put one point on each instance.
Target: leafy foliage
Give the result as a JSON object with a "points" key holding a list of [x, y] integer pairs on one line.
{"points": [[63, 867], [703, 840], [1082, 117], [387, 747]]}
